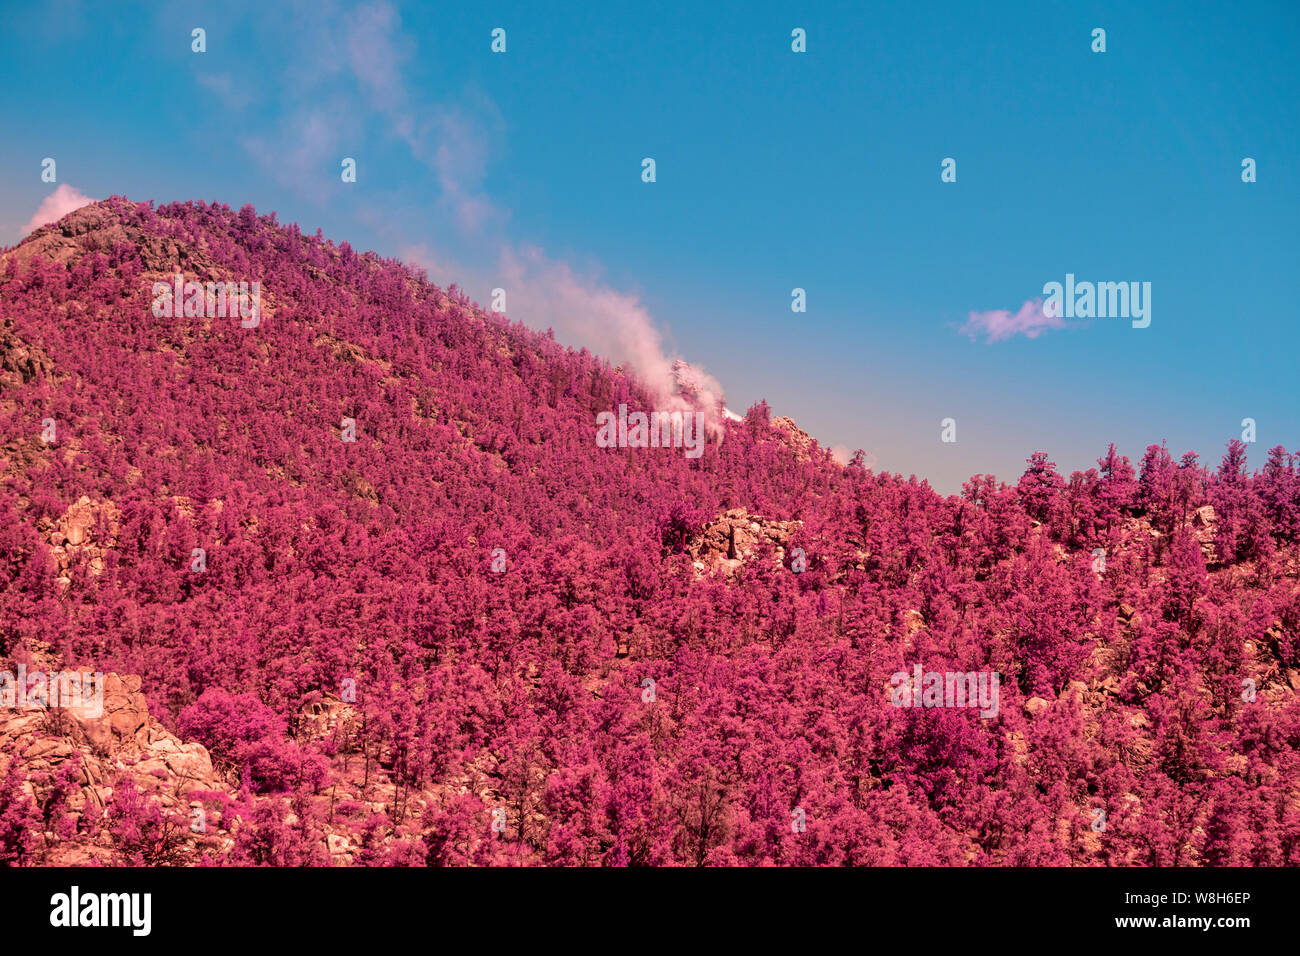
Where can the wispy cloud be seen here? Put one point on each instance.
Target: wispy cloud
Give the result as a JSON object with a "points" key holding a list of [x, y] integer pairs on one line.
{"points": [[376, 52], [453, 140], [441, 269], [304, 154], [463, 144], [345, 88], [997, 325], [55, 206], [234, 96], [362, 59]]}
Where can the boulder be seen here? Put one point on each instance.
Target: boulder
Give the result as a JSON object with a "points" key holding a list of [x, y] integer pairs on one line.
{"points": [[1035, 706]]}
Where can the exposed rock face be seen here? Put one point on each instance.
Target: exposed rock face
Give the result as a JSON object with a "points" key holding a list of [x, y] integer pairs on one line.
{"points": [[700, 390], [684, 379], [1035, 706], [913, 621], [735, 537], [798, 440], [20, 361], [1203, 524], [122, 738], [85, 532], [327, 718], [97, 228]]}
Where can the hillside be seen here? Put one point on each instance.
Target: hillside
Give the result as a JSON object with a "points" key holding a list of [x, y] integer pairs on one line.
{"points": [[473, 636]]}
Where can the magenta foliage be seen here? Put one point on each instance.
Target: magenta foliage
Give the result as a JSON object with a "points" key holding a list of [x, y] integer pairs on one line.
{"points": [[507, 712]]}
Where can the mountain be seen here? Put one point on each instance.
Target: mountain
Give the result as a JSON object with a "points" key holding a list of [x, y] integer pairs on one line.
{"points": [[368, 590]]}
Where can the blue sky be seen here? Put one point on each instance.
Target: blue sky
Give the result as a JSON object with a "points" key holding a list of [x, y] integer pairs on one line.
{"points": [[775, 170]]}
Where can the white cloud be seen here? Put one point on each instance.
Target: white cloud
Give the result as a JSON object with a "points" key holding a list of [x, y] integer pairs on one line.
{"points": [[55, 206]]}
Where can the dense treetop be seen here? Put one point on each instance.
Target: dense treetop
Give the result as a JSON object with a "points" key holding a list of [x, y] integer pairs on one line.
{"points": [[1144, 621]]}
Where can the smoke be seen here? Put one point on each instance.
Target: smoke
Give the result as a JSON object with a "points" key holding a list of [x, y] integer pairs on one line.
{"points": [[55, 206], [616, 325], [456, 141], [843, 455]]}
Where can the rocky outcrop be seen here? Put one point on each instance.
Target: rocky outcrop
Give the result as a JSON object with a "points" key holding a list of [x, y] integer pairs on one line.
{"points": [[1035, 706], [20, 361], [684, 379], [700, 390], [85, 532], [794, 437], [1202, 525], [735, 537], [98, 228], [106, 742], [327, 718]]}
